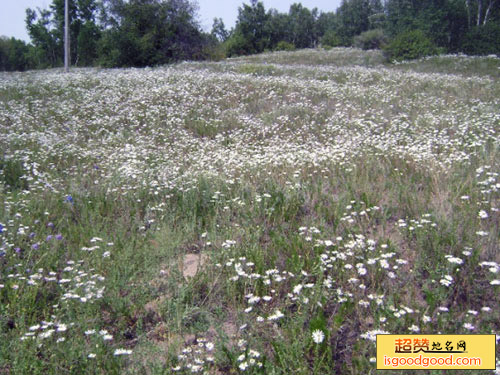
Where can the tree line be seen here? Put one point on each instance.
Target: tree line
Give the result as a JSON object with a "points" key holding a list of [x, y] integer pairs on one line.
{"points": [[122, 33]]}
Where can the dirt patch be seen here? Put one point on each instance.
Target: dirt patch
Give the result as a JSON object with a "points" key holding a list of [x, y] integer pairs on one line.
{"points": [[229, 329], [192, 263], [159, 333], [153, 308]]}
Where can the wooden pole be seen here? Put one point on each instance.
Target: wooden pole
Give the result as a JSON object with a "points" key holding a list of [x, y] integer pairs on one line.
{"points": [[66, 37]]}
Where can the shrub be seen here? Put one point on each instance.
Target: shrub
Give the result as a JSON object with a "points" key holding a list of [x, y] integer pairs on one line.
{"points": [[330, 39], [284, 46], [213, 52], [410, 45], [237, 45], [371, 39]]}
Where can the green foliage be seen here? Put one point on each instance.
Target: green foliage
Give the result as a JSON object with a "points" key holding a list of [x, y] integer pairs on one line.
{"points": [[250, 31], [325, 21], [257, 30], [213, 52], [277, 28], [330, 39], [353, 16], [48, 48], [219, 30], [14, 55], [108, 51], [87, 42], [134, 33], [284, 46], [237, 45], [116, 33], [410, 45], [152, 33], [371, 39], [444, 21], [482, 40], [11, 173], [46, 30], [377, 21], [301, 26]]}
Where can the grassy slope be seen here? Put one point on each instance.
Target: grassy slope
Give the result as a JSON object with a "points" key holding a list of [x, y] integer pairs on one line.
{"points": [[321, 189]]}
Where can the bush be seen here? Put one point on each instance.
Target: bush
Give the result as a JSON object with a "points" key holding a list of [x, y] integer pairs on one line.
{"points": [[237, 45], [284, 46], [215, 52], [482, 40], [371, 39], [410, 45], [330, 39]]}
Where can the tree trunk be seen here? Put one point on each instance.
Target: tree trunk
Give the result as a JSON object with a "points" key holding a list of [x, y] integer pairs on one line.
{"points": [[467, 5], [479, 10], [487, 14]]}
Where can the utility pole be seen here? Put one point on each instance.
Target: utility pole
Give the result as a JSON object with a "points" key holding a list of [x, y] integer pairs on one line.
{"points": [[66, 37]]}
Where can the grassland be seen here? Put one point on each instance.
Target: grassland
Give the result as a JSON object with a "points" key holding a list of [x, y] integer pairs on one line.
{"points": [[210, 217]]}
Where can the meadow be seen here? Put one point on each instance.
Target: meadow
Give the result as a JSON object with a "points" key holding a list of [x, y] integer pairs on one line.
{"points": [[265, 215]]}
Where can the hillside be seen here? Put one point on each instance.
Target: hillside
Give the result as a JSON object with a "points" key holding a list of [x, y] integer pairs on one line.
{"points": [[213, 217]]}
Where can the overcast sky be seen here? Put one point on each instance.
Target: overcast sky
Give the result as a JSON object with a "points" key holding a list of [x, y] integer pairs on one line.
{"points": [[13, 12]]}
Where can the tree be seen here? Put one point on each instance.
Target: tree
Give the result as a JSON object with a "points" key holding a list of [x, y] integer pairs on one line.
{"points": [[277, 28], [46, 30], [353, 17], [219, 30], [479, 12], [482, 30], [14, 54], [482, 40], [430, 16], [48, 50], [302, 30], [250, 35], [151, 32], [87, 43], [326, 21]]}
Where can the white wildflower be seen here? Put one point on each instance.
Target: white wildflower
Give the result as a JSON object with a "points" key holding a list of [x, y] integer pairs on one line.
{"points": [[318, 336]]}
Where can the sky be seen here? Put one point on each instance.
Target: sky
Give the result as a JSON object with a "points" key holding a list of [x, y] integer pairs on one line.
{"points": [[13, 12]]}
